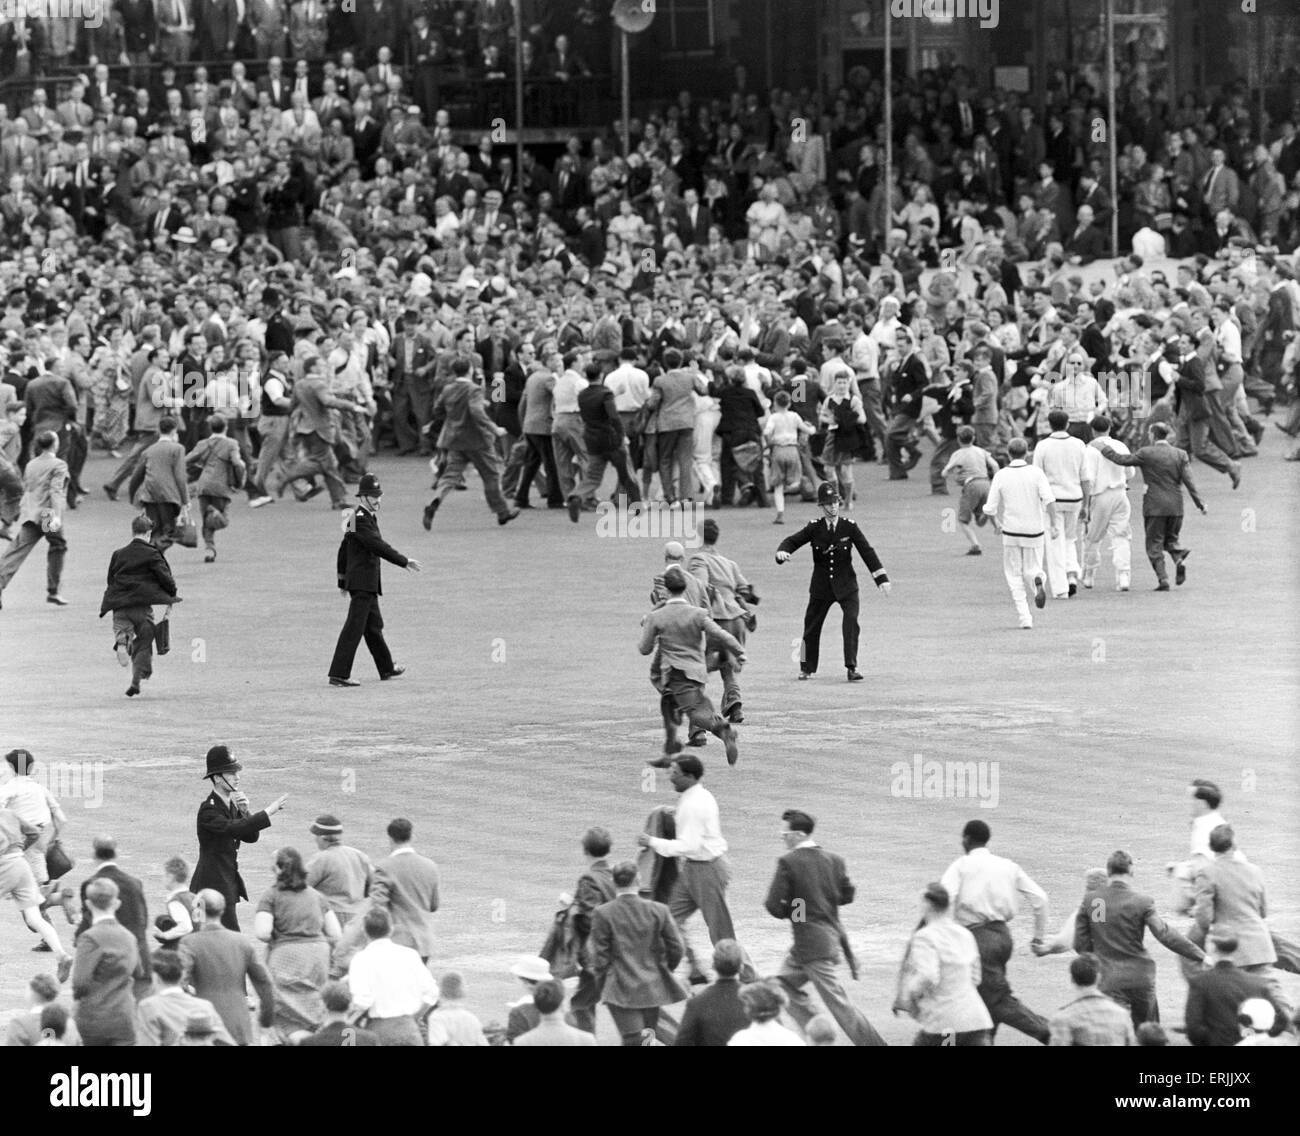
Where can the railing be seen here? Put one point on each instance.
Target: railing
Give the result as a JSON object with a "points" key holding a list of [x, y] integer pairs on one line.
{"points": [[473, 103]]}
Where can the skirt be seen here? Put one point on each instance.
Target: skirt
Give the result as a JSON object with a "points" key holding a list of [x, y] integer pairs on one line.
{"points": [[298, 971]]}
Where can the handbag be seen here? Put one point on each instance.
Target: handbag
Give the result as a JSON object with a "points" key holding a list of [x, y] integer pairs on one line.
{"points": [[57, 862], [187, 532]]}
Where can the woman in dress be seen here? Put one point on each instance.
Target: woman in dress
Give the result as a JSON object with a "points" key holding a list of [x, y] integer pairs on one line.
{"points": [[111, 389], [299, 925]]}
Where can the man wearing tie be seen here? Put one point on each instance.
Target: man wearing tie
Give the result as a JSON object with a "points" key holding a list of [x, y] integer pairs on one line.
{"points": [[1220, 188], [274, 82], [224, 822], [175, 30]]}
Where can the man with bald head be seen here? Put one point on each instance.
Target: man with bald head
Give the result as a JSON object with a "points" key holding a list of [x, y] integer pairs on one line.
{"points": [[132, 912], [106, 962]]}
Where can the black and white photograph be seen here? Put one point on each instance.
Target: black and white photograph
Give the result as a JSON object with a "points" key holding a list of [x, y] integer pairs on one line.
{"points": [[501, 505]]}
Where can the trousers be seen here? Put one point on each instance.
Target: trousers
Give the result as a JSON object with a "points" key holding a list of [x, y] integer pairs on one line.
{"points": [[319, 459], [796, 974], [29, 535], [488, 465], [676, 463], [540, 456], [994, 943], [566, 439], [1022, 564], [133, 629], [1063, 549], [364, 621], [1137, 996], [681, 696], [597, 461], [273, 430], [1162, 536], [701, 885], [813, 618], [1111, 519]]}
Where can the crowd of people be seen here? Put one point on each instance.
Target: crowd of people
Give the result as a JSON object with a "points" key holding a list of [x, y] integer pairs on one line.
{"points": [[234, 286], [351, 945]]}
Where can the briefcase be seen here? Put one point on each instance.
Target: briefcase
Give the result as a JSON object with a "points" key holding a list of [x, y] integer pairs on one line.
{"points": [[162, 636], [57, 862]]}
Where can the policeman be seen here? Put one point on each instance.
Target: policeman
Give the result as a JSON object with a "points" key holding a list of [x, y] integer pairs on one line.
{"points": [[833, 540]]}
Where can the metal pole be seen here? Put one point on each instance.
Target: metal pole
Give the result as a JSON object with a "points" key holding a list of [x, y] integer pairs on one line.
{"points": [[889, 117], [1110, 127], [519, 91], [627, 94]]}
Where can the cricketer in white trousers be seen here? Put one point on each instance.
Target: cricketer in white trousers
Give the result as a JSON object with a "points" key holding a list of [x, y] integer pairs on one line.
{"points": [[1110, 518], [1022, 564], [1063, 549], [707, 449]]}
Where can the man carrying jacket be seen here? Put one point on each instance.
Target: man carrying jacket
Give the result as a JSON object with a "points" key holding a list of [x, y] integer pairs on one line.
{"points": [[360, 552]]}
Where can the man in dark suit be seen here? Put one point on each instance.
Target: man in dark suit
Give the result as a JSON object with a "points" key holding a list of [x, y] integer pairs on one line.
{"points": [[635, 947], [106, 962], [224, 822], [468, 436], [595, 886], [1165, 469], [411, 362], [1111, 923], [131, 911], [714, 1015], [406, 886], [808, 889], [834, 581], [1214, 996], [359, 555], [138, 578], [1087, 242], [694, 219]]}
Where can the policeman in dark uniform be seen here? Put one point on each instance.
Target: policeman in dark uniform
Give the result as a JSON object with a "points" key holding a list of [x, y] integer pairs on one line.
{"points": [[358, 569], [833, 540]]}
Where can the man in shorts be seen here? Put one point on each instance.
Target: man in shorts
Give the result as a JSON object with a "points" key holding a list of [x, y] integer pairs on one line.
{"points": [[974, 467], [18, 883]]}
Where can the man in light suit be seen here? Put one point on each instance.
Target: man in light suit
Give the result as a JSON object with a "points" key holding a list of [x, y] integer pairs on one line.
{"points": [[808, 889], [406, 885], [1230, 904], [1220, 187], [101, 975], [411, 362], [1111, 923], [162, 483], [45, 493], [672, 406], [635, 947], [678, 631], [131, 910]]}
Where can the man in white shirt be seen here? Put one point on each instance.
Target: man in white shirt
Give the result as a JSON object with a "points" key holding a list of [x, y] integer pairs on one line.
{"points": [[984, 890], [33, 803], [390, 985], [1021, 501], [702, 859], [631, 387], [566, 423], [1078, 394], [1108, 509], [1061, 456]]}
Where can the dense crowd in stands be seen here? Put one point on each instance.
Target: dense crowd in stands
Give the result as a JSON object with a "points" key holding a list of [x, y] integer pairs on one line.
{"points": [[225, 230]]}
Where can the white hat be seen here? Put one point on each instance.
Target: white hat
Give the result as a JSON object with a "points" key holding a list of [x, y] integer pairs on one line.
{"points": [[531, 968], [221, 246], [185, 236]]}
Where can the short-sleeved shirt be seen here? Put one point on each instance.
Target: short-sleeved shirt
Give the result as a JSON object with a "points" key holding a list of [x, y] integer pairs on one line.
{"points": [[299, 915], [28, 799]]}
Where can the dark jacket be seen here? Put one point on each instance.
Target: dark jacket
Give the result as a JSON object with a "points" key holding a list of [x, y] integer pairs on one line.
{"points": [[1112, 923], [602, 428], [833, 572], [360, 552], [713, 1016], [908, 381], [1165, 469], [138, 576], [808, 889], [460, 419], [133, 915], [1214, 998], [635, 946], [221, 830]]}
